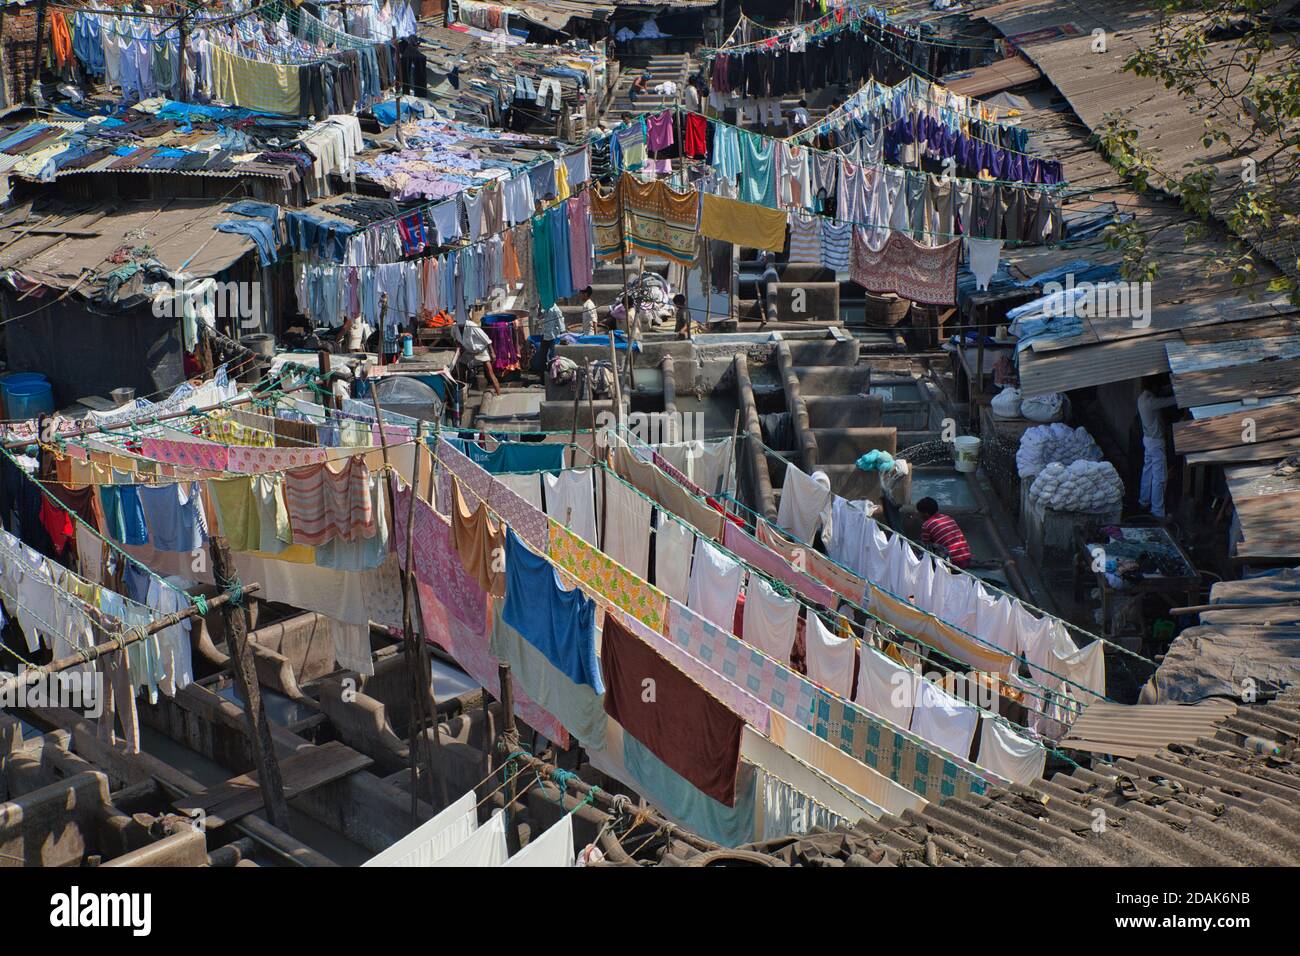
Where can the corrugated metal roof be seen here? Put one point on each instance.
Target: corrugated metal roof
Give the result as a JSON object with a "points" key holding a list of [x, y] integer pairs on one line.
{"points": [[1130, 730], [74, 240], [1002, 75], [1064, 370], [1095, 83], [1215, 802]]}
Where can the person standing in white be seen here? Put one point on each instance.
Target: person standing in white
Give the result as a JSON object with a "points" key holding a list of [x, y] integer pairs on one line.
{"points": [[588, 312], [1151, 492]]}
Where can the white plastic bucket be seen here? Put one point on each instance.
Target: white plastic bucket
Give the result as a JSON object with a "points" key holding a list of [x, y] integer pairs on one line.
{"points": [[966, 450]]}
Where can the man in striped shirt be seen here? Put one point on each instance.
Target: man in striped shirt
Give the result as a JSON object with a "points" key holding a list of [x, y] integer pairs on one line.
{"points": [[940, 534]]}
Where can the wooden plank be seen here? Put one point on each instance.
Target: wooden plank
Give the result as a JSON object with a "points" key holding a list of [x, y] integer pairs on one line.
{"points": [[1250, 329], [309, 768], [1260, 451], [1224, 431], [1230, 384]]}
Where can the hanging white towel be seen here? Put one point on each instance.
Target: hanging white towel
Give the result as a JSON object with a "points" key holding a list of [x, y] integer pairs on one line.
{"points": [[673, 544], [885, 687], [944, 720], [983, 255], [571, 500], [915, 576], [1057, 652], [805, 500], [434, 838], [877, 549], [771, 619], [830, 658], [552, 848], [528, 487], [715, 467], [1009, 754], [627, 527], [955, 594], [715, 585], [486, 846], [995, 620], [853, 524], [352, 649]]}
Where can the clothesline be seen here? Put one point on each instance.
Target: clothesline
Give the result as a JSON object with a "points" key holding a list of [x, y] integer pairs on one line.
{"points": [[1050, 188], [880, 108], [903, 600], [822, 27], [990, 585], [913, 84], [570, 574], [784, 587]]}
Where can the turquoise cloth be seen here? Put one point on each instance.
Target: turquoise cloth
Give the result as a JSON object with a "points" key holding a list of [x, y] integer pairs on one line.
{"points": [[123, 516], [730, 826], [577, 706], [513, 456], [758, 184], [876, 460], [726, 151], [543, 262]]}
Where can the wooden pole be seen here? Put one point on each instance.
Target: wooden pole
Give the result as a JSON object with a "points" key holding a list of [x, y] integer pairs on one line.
{"points": [[245, 673], [731, 458], [426, 671], [183, 68], [627, 298], [35, 95], [323, 364], [577, 397], [419, 716], [618, 390], [11, 684], [591, 407], [706, 283], [509, 744]]}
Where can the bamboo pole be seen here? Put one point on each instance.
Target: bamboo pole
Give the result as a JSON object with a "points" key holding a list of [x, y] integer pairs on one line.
{"points": [[13, 682], [509, 740], [618, 389], [245, 673], [419, 716]]}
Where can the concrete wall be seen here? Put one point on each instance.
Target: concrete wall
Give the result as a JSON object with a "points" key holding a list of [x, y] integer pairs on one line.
{"points": [[54, 825], [824, 351], [845, 411]]}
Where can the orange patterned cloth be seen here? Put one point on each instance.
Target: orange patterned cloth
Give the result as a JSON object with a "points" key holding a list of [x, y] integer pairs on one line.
{"points": [[607, 578]]}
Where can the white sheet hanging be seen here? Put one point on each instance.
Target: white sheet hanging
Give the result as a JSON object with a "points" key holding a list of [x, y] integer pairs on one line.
{"points": [[830, 658], [486, 846], [715, 585], [804, 498], [627, 527], [552, 848], [673, 544], [943, 720], [1009, 754], [434, 838], [885, 687], [571, 500], [771, 619]]}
